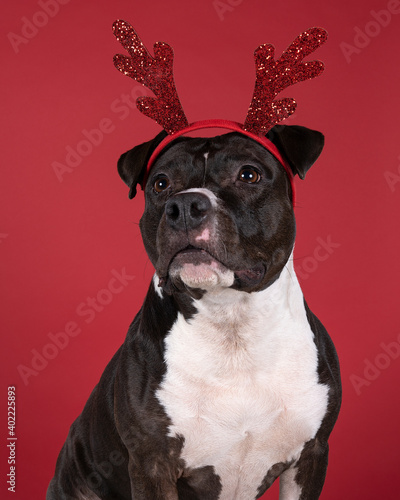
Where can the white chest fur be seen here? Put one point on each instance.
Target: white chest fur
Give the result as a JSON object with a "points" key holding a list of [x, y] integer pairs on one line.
{"points": [[241, 385]]}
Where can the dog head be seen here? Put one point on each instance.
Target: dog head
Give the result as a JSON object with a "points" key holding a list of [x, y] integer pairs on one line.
{"points": [[218, 211]]}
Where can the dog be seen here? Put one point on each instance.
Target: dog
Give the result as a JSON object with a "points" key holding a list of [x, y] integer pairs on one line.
{"points": [[226, 379]]}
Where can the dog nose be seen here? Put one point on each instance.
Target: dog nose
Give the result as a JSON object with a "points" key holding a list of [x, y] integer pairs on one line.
{"points": [[187, 211]]}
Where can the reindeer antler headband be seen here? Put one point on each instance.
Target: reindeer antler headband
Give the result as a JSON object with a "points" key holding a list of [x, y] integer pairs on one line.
{"points": [[264, 112]]}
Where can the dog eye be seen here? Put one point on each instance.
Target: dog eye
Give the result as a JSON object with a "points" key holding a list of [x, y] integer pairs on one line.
{"points": [[161, 184], [249, 175]]}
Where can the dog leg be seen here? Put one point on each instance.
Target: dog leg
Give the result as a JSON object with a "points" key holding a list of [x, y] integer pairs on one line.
{"points": [[157, 487], [305, 480], [288, 488], [144, 489]]}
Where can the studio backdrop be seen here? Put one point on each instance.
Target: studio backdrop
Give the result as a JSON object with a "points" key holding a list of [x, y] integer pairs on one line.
{"points": [[73, 268]]}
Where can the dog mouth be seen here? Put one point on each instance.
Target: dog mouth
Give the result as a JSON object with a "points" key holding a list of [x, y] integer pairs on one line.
{"points": [[198, 268]]}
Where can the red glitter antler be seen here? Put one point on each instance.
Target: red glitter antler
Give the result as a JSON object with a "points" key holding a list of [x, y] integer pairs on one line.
{"points": [[274, 76], [155, 73]]}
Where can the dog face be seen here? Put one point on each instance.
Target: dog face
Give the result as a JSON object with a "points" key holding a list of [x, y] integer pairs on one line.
{"points": [[218, 211]]}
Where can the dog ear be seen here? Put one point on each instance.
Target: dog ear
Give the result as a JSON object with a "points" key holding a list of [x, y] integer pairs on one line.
{"points": [[132, 164], [301, 146]]}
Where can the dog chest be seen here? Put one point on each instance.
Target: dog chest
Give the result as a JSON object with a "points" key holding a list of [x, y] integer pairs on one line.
{"points": [[242, 389]]}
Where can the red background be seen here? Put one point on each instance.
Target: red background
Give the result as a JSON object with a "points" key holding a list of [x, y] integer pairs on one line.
{"points": [[60, 241]]}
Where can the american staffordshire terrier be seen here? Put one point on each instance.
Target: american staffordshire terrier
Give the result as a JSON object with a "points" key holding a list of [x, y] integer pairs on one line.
{"points": [[226, 380]]}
